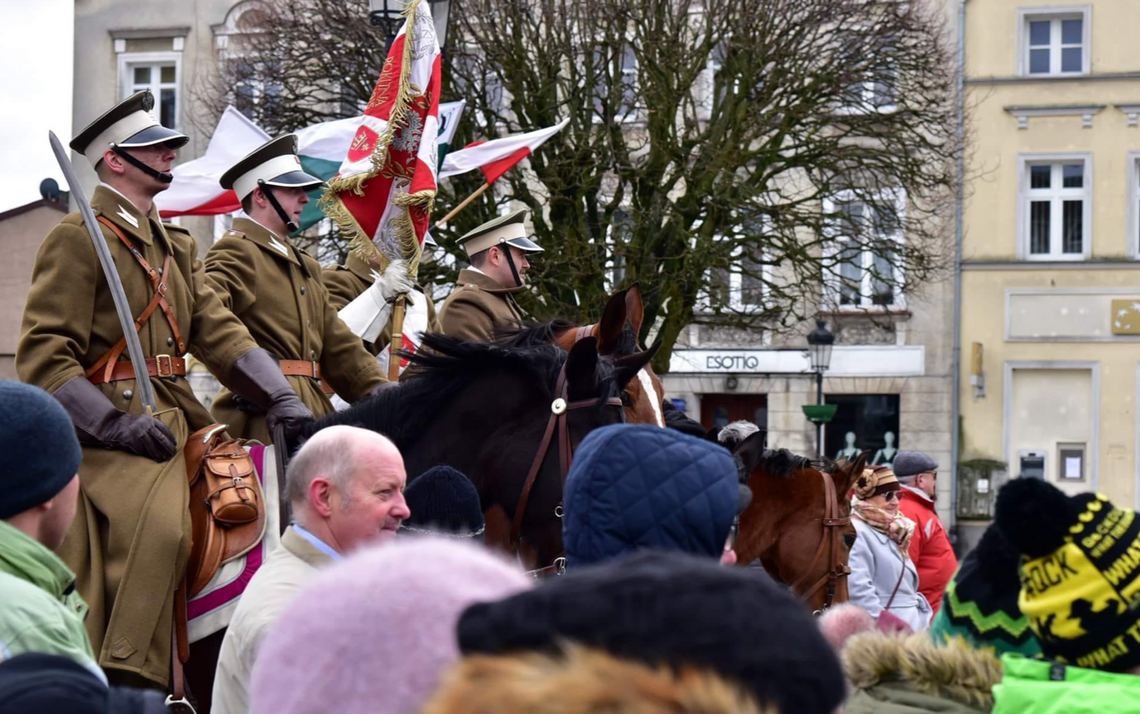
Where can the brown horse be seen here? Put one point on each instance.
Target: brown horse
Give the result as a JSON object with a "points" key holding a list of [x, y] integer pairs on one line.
{"points": [[617, 334], [799, 521]]}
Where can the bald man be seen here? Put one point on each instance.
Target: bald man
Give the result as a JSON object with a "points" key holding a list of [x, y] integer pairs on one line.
{"points": [[346, 486]]}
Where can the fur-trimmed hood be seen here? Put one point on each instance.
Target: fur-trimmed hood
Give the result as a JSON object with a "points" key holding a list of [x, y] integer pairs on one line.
{"points": [[952, 671], [581, 680]]}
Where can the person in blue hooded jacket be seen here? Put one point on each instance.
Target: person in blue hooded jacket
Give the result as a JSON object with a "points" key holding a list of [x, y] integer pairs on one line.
{"points": [[635, 486]]}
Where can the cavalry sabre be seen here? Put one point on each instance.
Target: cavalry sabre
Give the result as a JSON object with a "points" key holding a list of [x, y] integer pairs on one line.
{"points": [[122, 307]]}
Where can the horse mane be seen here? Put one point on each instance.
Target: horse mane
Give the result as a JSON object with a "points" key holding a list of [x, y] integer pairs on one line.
{"points": [[782, 463], [446, 365], [524, 335]]}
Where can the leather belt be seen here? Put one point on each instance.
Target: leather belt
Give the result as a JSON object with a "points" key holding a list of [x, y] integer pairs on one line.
{"points": [[157, 366], [300, 368]]}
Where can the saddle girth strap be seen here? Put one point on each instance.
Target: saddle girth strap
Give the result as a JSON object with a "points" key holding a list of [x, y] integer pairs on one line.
{"points": [[158, 300]]}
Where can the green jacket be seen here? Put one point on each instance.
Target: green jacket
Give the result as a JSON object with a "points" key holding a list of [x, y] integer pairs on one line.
{"points": [[1031, 686], [40, 611]]}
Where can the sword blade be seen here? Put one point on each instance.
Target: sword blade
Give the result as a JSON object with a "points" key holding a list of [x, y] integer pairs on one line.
{"points": [[122, 307]]}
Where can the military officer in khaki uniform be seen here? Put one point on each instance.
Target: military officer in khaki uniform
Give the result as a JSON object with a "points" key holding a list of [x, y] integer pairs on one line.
{"points": [[482, 300], [276, 290], [349, 281], [130, 539]]}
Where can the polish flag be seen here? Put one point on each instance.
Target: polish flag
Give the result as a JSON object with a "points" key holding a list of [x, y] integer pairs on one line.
{"points": [[495, 157]]}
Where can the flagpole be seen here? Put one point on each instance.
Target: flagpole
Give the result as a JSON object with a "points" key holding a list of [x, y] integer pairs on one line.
{"points": [[461, 206], [398, 310]]}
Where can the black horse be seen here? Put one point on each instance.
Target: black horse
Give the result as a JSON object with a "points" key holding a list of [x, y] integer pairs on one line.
{"points": [[482, 408]]}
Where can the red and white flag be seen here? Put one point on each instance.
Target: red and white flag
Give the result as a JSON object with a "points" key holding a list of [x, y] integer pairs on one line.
{"points": [[383, 195], [495, 157]]}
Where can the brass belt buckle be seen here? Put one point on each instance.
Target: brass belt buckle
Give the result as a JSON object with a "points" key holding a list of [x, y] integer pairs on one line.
{"points": [[160, 370]]}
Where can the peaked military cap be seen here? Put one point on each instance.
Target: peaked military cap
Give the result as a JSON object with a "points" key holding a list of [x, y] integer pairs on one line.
{"points": [[130, 124], [509, 229], [274, 162]]}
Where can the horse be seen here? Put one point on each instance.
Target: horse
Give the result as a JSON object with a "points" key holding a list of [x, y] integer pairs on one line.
{"points": [[616, 334], [489, 410], [799, 522]]}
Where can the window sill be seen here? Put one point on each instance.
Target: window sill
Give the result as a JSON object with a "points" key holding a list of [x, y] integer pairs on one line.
{"points": [[870, 310]]}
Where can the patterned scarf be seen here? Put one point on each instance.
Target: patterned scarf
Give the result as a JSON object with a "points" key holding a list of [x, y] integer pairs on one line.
{"points": [[895, 526]]}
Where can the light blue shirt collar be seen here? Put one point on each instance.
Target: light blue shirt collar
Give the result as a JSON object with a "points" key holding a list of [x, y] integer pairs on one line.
{"points": [[318, 543]]}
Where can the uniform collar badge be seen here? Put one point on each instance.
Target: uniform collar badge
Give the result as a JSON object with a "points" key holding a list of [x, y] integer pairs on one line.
{"points": [[278, 245], [126, 215]]}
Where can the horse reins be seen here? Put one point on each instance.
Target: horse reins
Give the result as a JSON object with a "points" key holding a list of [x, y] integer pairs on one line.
{"points": [[559, 410], [832, 523]]}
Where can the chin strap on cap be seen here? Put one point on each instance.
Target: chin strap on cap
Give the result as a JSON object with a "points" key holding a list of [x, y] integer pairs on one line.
{"points": [[506, 248], [268, 191], [149, 171]]}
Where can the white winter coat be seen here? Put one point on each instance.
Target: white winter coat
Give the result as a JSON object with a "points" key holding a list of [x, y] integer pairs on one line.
{"points": [[875, 564]]}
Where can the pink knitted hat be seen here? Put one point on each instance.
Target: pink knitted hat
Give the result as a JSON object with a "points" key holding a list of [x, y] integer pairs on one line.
{"points": [[375, 632]]}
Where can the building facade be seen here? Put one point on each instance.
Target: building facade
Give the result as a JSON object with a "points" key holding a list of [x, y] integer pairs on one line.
{"points": [[1050, 372]]}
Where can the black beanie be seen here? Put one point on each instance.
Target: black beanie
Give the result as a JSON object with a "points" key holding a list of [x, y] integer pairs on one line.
{"points": [[49, 684], [669, 608], [35, 426], [444, 502]]}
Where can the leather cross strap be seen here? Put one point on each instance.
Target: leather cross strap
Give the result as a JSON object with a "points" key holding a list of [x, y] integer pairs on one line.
{"points": [[832, 522], [559, 411], [158, 283]]}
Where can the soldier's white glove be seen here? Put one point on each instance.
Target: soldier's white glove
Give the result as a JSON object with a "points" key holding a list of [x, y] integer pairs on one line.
{"points": [[367, 315], [394, 281]]}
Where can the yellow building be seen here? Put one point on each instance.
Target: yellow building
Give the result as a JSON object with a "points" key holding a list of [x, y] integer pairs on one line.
{"points": [[1050, 283]]}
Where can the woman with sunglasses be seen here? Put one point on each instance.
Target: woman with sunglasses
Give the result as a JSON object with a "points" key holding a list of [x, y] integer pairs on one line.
{"points": [[883, 580]]}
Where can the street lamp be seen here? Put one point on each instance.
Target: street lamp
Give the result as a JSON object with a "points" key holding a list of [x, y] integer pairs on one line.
{"points": [[386, 14], [820, 341]]}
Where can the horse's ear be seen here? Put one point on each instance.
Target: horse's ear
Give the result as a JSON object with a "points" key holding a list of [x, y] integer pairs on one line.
{"points": [[749, 452], [613, 321], [712, 434], [853, 470], [634, 307], [628, 367], [582, 365]]}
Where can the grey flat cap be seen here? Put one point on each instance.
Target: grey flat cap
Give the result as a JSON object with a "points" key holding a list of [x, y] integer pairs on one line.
{"points": [[912, 463]]}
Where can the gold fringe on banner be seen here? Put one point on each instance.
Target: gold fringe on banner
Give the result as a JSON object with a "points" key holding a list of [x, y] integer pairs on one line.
{"points": [[361, 243]]}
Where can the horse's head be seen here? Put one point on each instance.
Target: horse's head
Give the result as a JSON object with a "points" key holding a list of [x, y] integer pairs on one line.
{"points": [[591, 383], [799, 521], [617, 335]]}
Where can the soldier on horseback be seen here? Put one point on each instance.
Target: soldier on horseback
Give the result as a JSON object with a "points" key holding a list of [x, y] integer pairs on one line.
{"points": [[131, 536], [483, 297], [276, 290]]}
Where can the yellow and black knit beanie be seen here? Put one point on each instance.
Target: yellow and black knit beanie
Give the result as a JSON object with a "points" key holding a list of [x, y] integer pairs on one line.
{"points": [[1080, 572]]}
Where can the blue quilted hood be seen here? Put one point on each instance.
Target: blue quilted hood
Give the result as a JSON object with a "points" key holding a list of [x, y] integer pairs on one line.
{"points": [[635, 486]]}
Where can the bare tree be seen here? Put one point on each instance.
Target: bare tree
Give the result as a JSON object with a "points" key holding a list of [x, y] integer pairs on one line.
{"points": [[746, 161]]}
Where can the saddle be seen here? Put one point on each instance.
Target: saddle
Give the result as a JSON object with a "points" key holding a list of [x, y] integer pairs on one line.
{"points": [[227, 506]]}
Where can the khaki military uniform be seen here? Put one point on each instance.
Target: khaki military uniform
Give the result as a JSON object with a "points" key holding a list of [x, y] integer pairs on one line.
{"points": [[131, 535], [348, 282], [478, 306], [280, 297]]}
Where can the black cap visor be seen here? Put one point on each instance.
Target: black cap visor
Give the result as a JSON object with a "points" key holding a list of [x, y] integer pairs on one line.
{"points": [[295, 179], [526, 245], [155, 135]]}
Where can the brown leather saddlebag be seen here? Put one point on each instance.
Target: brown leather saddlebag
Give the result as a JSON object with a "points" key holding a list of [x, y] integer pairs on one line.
{"points": [[227, 505]]}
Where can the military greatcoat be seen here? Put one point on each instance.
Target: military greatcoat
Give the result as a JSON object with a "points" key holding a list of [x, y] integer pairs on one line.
{"points": [[478, 306], [131, 535], [276, 290], [348, 282]]}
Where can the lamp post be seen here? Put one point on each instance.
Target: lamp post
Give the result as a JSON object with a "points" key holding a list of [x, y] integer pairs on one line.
{"points": [[820, 341], [386, 14]]}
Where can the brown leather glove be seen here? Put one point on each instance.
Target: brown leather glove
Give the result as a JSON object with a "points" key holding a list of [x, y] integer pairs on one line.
{"points": [[99, 423], [257, 378]]}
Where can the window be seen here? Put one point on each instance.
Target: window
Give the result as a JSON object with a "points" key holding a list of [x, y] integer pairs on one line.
{"points": [[626, 108], [618, 235], [160, 73], [863, 422], [742, 285], [1133, 240], [257, 92], [867, 235], [1056, 42], [1056, 207]]}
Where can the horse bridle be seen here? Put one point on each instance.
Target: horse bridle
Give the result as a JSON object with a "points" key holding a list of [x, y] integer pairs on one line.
{"points": [[560, 409], [832, 523]]}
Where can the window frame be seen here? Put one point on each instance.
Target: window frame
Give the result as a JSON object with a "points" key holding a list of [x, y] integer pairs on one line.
{"points": [[1025, 15], [735, 305], [1024, 162], [1132, 237], [127, 61], [832, 284], [633, 113]]}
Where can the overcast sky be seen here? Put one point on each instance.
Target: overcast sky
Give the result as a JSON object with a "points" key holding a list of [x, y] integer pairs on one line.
{"points": [[36, 52]]}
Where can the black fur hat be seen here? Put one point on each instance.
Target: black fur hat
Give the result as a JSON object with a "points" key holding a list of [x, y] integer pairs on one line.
{"points": [[675, 610]]}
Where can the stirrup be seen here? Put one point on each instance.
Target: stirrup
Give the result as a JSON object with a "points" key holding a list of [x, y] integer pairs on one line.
{"points": [[180, 705]]}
